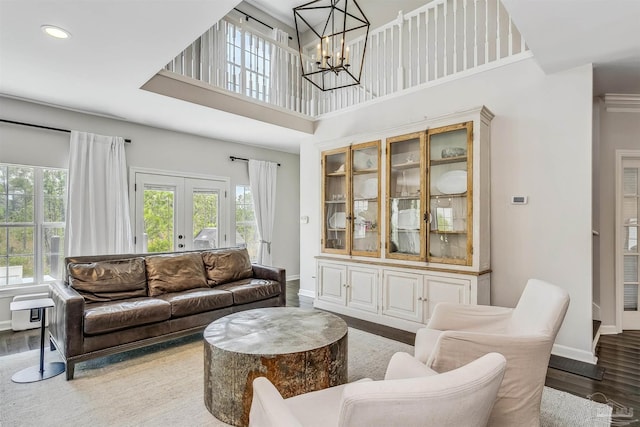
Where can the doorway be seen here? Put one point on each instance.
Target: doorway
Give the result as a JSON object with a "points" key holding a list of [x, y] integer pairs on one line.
{"points": [[174, 212], [627, 255]]}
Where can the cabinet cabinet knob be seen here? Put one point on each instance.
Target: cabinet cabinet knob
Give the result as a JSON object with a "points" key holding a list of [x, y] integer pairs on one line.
{"points": [[419, 298]]}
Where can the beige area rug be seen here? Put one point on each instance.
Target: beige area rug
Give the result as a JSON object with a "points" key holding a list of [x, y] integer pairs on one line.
{"points": [[163, 385]]}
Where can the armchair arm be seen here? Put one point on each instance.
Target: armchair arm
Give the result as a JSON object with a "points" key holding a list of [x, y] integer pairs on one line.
{"points": [[457, 348], [403, 365], [273, 273], [469, 317], [268, 407], [66, 322], [520, 394]]}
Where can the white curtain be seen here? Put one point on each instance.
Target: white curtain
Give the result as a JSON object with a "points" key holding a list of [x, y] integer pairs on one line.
{"points": [[98, 204], [279, 69], [262, 180]]}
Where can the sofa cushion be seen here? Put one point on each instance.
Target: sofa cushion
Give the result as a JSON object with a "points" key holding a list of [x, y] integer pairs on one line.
{"points": [[109, 280], [250, 290], [100, 318], [196, 301], [227, 265], [175, 273]]}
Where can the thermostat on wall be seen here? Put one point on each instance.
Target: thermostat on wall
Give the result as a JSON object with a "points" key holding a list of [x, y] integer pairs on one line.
{"points": [[519, 200]]}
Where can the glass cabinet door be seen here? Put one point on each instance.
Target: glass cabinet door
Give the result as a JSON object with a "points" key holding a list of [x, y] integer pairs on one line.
{"points": [[365, 229], [449, 156], [335, 192], [405, 192]]}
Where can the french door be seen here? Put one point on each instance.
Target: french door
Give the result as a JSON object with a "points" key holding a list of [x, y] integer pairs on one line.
{"points": [[627, 230], [178, 213]]}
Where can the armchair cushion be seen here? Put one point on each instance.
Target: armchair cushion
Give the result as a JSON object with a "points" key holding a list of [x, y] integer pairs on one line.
{"points": [[403, 365]]}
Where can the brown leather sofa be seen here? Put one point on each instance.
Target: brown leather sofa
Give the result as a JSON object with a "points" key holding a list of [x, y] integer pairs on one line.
{"points": [[114, 303]]}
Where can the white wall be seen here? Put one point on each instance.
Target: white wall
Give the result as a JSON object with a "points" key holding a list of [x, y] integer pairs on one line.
{"points": [[156, 149], [541, 148], [619, 130]]}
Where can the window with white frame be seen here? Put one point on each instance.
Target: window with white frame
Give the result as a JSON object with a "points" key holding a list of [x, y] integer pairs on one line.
{"points": [[246, 227], [248, 52], [32, 221]]}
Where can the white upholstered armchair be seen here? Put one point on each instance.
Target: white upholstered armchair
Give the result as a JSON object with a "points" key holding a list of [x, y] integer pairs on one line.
{"points": [[457, 334], [410, 395]]}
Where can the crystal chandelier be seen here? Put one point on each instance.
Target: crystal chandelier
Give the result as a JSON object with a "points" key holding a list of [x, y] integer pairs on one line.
{"points": [[332, 64]]}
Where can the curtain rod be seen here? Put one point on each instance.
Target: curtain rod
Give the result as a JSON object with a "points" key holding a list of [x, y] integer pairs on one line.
{"points": [[234, 158], [43, 127], [247, 17]]}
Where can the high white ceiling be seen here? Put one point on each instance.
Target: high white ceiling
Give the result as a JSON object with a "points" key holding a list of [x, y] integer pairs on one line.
{"points": [[119, 45]]}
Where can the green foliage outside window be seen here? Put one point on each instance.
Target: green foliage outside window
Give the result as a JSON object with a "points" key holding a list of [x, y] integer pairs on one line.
{"points": [[246, 227]]}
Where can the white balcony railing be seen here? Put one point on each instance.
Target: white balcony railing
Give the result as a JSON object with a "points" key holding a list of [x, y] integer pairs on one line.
{"points": [[441, 39]]}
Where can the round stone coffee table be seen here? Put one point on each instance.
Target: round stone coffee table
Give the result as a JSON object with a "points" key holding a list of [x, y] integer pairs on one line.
{"points": [[298, 350]]}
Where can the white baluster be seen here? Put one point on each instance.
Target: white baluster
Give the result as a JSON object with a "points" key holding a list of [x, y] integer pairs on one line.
{"points": [[426, 45], [417, 49], [475, 33], [464, 31], [486, 31], [445, 36], [455, 36], [510, 36], [435, 42], [498, 42], [400, 69]]}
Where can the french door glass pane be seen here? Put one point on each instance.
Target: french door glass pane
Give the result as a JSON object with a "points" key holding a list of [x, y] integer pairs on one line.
{"points": [[159, 219], [630, 297], [630, 268], [630, 181], [205, 219]]}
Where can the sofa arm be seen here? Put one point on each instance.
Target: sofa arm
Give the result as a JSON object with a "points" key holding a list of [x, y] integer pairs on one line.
{"points": [[66, 322], [273, 273]]}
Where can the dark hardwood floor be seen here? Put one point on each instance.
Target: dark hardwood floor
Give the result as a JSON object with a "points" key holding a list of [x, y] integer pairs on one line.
{"points": [[618, 354]]}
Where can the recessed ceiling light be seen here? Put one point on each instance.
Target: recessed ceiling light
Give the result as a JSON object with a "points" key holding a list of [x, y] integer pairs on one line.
{"points": [[56, 32]]}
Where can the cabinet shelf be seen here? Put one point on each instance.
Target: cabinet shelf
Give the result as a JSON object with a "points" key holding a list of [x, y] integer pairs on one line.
{"points": [[409, 165], [337, 229], [335, 202], [366, 172], [414, 197], [448, 160], [447, 196], [448, 232], [336, 174]]}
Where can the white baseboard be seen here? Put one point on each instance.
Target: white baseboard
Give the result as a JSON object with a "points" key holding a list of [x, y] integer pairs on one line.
{"points": [[5, 325], [293, 277], [306, 293], [574, 353], [609, 330]]}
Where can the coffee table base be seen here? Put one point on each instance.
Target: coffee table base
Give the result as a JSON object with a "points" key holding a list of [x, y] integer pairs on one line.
{"points": [[33, 374], [298, 350]]}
